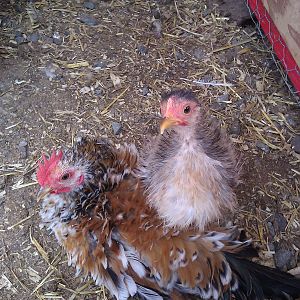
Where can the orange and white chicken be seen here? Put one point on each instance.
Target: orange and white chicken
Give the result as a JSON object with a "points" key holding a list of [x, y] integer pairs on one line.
{"points": [[95, 203]]}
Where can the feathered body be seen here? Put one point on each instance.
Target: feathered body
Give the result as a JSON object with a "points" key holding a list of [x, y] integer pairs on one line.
{"points": [[191, 171], [110, 233]]}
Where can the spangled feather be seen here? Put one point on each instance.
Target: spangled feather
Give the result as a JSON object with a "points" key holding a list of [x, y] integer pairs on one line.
{"points": [[148, 294], [114, 237], [136, 263], [130, 284]]}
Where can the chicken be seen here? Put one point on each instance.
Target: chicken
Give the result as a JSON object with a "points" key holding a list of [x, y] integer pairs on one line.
{"points": [[190, 172], [94, 202]]}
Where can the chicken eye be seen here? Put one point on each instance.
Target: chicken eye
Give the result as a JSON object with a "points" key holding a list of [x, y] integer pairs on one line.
{"points": [[65, 176], [187, 109]]}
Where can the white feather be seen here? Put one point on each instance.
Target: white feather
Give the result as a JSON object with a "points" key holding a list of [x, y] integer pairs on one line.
{"points": [[148, 294], [136, 263], [180, 199], [123, 257], [130, 284]]}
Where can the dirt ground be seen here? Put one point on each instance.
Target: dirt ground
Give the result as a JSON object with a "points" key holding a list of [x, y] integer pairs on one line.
{"points": [[71, 68]]}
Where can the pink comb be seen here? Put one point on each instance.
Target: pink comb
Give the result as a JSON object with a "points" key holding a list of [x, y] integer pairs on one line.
{"points": [[44, 170]]}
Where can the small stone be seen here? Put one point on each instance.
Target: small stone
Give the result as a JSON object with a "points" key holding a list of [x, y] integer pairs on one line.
{"points": [[199, 53], [262, 146], [230, 55], [279, 222], [232, 76], [88, 78], [23, 149], [239, 62], [271, 229], [295, 199], [296, 144], [3, 179], [20, 38], [47, 39], [157, 28], [241, 103], [117, 128], [88, 20], [85, 90], [268, 63], [116, 80], [18, 7], [222, 58], [57, 40], [218, 106], [271, 247], [99, 65], [111, 113], [207, 78], [89, 5], [98, 92], [259, 85], [34, 37], [223, 98], [179, 55], [249, 80], [156, 13], [206, 12], [235, 127], [296, 242], [284, 195], [284, 255], [245, 147], [53, 71], [143, 50], [293, 118], [145, 91]]}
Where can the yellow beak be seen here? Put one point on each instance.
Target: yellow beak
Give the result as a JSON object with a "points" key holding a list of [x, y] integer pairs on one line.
{"points": [[167, 123], [43, 193]]}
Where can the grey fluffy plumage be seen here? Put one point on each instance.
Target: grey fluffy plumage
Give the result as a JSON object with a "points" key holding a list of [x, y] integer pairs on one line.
{"points": [[190, 172]]}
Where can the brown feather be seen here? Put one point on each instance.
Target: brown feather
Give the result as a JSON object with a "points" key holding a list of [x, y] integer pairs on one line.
{"points": [[110, 233]]}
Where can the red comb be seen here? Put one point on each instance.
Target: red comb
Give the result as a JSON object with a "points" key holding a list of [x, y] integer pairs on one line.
{"points": [[46, 166]]}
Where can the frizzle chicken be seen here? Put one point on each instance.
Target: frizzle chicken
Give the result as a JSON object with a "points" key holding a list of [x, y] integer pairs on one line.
{"points": [[191, 171], [95, 204]]}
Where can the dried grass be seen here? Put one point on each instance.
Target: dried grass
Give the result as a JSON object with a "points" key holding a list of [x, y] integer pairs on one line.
{"points": [[185, 29]]}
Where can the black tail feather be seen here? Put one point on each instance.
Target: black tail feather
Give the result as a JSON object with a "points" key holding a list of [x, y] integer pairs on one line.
{"points": [[259, 282]]}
